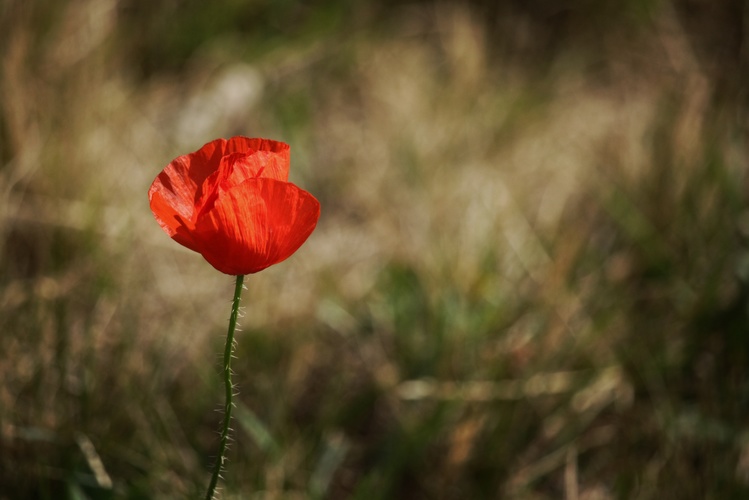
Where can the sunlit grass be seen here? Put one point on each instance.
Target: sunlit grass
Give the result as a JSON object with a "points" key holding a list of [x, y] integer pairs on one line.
{"points": [[529, 279]]}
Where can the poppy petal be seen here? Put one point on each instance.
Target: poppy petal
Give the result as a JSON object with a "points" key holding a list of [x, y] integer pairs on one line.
{"points": [[275, 155], [255, 224], [183, 182], [234, 169], [176, 190], [210, 155]]}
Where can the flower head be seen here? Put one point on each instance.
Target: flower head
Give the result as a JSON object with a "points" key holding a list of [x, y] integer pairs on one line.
{"points": [[231, 202]]}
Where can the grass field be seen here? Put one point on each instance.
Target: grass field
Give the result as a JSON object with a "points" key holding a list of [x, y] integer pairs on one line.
{"points": [[530, 279]]}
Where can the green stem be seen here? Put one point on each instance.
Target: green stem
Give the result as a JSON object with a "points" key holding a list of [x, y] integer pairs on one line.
{"points": [[229, 389]]}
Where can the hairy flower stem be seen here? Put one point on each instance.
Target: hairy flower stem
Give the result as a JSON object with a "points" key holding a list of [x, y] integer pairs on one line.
{"points": [[229, 389]]}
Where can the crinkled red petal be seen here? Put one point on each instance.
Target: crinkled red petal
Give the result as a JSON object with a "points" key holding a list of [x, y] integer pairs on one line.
{"points": [[173, 223], [177, 190], [234, 169], [210, 155], [255, 224]]}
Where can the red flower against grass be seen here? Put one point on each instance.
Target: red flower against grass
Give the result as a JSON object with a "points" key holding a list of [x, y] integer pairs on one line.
{"points": [[231, 202]]}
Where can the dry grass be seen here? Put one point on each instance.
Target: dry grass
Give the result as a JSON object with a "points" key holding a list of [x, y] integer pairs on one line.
{"points": [[522, 284]]}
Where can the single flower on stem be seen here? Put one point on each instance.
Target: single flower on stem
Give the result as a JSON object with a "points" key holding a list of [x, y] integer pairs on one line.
{"points": [[231, 202]]}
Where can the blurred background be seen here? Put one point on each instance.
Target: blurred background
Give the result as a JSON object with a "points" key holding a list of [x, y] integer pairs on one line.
{"points": [[530, 278]]}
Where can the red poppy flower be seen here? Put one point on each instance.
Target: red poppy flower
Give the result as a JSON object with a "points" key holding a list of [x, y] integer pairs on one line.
{"points": [[230, 201]]}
